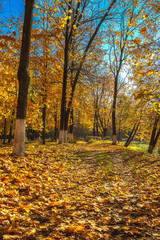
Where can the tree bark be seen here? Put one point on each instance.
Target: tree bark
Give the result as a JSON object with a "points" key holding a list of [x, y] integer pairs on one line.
{"points": [[119, 133], [96, 115], [70, 130], [155, 134], [94, 128], [63, 128], [103, 125], [4, 131], [105, 132], [132, 134], [44, 124], [94, 124], [11, 128], [114, 112], [55, 127], [23, 79]]}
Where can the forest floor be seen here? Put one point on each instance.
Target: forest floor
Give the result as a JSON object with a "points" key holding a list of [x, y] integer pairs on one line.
{"points": [[79, 191]]}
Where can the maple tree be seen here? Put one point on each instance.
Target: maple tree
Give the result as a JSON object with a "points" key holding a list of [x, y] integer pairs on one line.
{"points": [[84, 107], [8, 77], [145, 72], [45, 59], [120, 41]]}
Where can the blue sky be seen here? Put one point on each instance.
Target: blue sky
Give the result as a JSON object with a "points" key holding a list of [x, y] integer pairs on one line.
{"points": [[11, 8]]}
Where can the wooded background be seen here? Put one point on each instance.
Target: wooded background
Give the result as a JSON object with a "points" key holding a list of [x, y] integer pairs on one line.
{"points": [[92, 69]]}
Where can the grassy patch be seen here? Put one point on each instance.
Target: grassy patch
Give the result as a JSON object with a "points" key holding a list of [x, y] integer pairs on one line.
{"points": [[136, 146], [99, 142], [104, 160], [140, 146]]}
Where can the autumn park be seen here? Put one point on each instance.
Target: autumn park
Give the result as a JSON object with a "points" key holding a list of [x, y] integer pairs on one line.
{"points": [[80, 120]]}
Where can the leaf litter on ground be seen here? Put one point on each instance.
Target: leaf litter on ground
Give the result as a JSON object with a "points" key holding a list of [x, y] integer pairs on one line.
{"points": [[79, 191]]}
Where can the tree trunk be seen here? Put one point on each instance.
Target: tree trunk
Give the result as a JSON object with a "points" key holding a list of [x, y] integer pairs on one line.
{"points": [[97, 124], [103, 125], [119, 133], [4, 131], [70, 131], [33, 134], [104, 132], [44, 124], [10, 131], [11, 128], [132, 134], [116, 76], [94, 124], [55, 127], [24, 79], [114, 112], [63, 128], [155, 135]]}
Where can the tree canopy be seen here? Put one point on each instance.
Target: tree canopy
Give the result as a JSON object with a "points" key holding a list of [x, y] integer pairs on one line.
{"points": [[92, 65]]}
